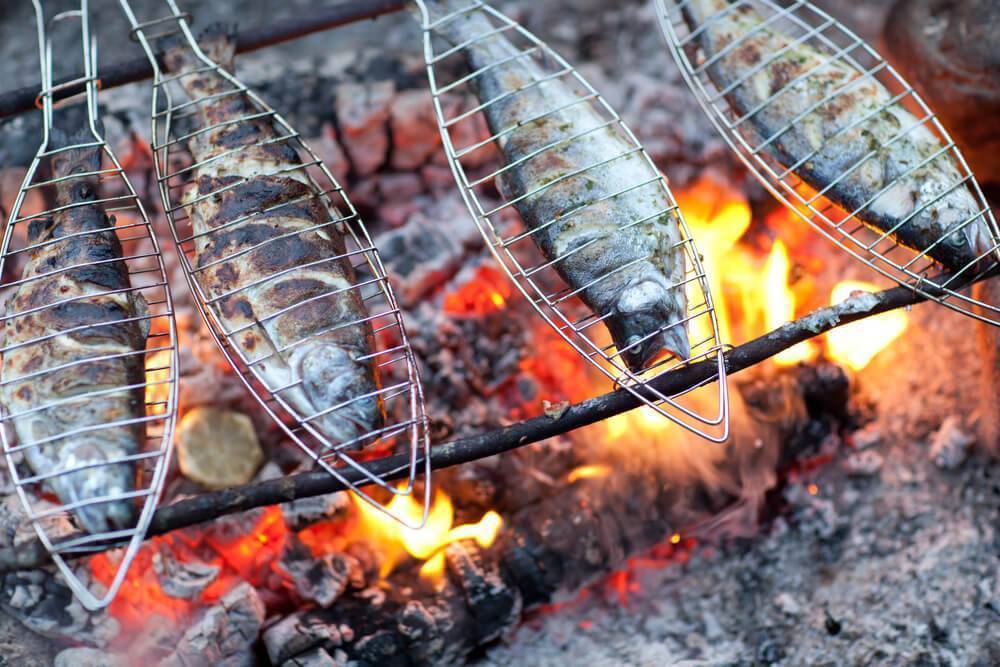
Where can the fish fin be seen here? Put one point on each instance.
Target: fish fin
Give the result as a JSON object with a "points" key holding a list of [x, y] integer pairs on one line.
{"points": [[141, 307]]}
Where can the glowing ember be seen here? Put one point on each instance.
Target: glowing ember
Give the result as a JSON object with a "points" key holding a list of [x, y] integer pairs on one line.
{"points": [[779, 303], [395, 542], [856, 344], [486, 293]]}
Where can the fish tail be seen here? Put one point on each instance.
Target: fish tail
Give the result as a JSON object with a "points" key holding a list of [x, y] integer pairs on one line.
{"points": [[78, 160]]}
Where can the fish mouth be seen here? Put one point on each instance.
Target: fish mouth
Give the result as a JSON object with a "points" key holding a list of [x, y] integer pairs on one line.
{"points": [[333, 376], [649, 324], [98, 485]]}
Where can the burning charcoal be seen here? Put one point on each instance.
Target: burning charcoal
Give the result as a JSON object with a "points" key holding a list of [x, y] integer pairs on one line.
{"points": [[183, 580], [82, 656], [305, 512], [218, 448], [331, 153], [428, 250], [363, 115], [414, 130], [224, 634], [495, 603], [320, 579], [950, 444], [316, 658], [299, 634]]}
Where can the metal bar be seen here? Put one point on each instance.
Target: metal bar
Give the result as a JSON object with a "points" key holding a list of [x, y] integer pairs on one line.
{"points": [[319, 19]]}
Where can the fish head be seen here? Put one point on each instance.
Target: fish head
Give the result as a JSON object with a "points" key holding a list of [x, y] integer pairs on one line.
{"points": [[339, 380], [647, 323], [96, 477]]}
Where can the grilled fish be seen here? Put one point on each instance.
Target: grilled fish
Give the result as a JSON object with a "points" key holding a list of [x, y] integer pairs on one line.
{"points": [[274, 271], [831, 123], [78, 326], [565, 169]]}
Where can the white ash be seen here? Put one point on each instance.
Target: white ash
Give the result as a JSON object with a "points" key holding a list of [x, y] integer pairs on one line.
{"points": [[951, 443]]}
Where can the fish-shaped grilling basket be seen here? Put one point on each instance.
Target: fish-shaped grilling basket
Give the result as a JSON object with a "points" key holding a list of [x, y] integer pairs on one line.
{"points": [[578, 215], [837, 135], [89, 377], [280, 264]]}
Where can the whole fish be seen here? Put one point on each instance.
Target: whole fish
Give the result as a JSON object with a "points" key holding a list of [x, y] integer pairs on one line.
{"points": [[79, 325], [622, 252], [284, 289], [916, 197]]}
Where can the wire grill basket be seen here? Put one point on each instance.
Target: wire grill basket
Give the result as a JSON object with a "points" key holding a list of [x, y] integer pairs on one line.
{"points": [[180, 117], [89, 380], [474, 51], [837, 135]]}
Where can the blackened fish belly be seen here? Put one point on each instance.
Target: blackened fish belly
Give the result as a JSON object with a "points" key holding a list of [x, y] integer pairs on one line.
{"points": [[595, 205], [836, 128], [271, 265], [89, 330]]}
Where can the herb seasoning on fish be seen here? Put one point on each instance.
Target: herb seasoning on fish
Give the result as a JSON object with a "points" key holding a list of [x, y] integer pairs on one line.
{"points": [[89, 341], [596, 207], [272, 267], [833, 125]]}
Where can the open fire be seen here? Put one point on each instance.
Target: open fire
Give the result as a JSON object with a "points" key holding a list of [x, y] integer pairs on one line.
{"points": [[759, 288]]}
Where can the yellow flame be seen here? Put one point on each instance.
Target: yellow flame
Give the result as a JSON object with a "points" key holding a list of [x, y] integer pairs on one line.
{"points": [[717, 217], [394, 541], [157, 385], [856, 344], [588, 472], [779, 303]]}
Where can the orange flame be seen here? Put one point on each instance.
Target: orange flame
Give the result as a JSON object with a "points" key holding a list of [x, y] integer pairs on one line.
{"points": [[856, 344]]}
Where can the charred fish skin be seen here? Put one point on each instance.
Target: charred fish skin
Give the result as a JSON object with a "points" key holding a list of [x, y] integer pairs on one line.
{"points": [[96, 326], [619, 244], [274, 277], [900, 188]]}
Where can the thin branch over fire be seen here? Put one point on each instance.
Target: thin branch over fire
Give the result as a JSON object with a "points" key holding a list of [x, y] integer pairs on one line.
{"points": [[208, 506]]}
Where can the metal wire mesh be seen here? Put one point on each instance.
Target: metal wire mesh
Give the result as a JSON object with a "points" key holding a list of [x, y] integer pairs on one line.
{"points": [[89, 380], [836, 134], [522, 85], [180, 119]]}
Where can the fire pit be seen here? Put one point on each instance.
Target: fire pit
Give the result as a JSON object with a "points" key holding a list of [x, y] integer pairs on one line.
{"points": [[849, 519]]}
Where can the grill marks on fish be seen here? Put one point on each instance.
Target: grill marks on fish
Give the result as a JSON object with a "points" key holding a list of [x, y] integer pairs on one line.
{"points": [[282, 285], [866, 154], [622, 252], [76, 325]]}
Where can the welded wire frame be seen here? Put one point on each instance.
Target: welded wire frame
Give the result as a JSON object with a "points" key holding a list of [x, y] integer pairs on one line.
{"points": [[147, 280], [703, 409], [406, 423], [806, 25]]}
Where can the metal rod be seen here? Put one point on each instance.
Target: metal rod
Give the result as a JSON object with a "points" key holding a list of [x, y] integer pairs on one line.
{"points": [[212, 505], [320, 19]]}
